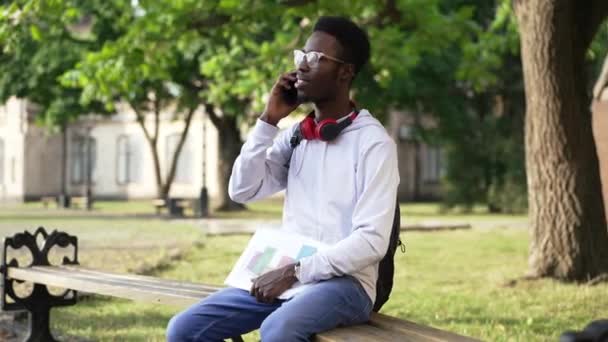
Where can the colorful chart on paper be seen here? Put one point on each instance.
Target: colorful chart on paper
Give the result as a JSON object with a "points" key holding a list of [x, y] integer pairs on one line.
{"points": [[261, 261], [269, 249]]}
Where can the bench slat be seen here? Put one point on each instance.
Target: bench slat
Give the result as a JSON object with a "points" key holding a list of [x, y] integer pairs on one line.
{"points": [[133, 291], [385, 328], [142, 279], [136, 285], [424, 333], [360, 333]]}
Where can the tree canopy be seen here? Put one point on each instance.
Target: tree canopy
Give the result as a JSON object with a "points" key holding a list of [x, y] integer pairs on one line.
{"points": [[457, 61]]}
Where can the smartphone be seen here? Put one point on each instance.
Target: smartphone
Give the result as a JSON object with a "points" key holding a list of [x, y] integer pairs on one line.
{"points": [[290, 95]]}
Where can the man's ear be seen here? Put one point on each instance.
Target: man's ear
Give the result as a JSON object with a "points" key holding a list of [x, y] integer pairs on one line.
{"points": [[347, 72]]}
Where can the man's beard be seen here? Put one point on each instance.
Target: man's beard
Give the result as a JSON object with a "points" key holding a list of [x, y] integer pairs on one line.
{"points": [[303, 98]]}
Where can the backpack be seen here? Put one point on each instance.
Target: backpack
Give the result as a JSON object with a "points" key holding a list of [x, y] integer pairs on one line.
{"points": [[386, 268]]}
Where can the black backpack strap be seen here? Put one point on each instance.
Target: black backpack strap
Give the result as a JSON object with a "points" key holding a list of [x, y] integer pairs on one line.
{"points": [[386, 268]]}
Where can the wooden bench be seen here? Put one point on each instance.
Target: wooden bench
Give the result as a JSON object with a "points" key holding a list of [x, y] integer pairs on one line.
{"points": [[175, 206], [150, 289], [79, 202], [159, 204], [184, 204], [46, 200]]}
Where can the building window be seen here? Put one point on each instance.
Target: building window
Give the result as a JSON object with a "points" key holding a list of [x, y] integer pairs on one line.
{"points": [[405, 133], [1, 161], [128, 165], [79, 158], [183, 172], [432, 165]]}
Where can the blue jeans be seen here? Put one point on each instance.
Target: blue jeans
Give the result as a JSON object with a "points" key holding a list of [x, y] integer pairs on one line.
{"points": [[232, 312]]}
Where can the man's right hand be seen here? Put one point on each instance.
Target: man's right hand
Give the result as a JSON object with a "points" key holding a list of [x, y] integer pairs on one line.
{"points": [[277, 107]]}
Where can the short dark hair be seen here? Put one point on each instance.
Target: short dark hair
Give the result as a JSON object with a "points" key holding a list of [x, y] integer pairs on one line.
{"points": [[354, 41]]}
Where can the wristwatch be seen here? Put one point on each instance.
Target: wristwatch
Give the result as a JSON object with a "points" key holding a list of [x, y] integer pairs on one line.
{"points": [[296, 270]]}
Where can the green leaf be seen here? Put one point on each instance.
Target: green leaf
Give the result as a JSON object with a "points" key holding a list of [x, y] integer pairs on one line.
{"points": [[35, 32], [229, 4]]}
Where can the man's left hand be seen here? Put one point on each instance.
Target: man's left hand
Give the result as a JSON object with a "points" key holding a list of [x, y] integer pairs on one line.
{"points": [[267, 287]]}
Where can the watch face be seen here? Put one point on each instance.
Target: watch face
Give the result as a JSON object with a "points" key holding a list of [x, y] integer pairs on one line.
{"points": [[296, 269]]}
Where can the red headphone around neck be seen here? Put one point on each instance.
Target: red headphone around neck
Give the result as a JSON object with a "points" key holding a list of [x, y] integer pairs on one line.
{"points": [[326, 130]]}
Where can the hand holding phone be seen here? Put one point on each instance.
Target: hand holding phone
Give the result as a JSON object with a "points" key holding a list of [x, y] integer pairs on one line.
{"points": [[290, 95], [283, 99]]}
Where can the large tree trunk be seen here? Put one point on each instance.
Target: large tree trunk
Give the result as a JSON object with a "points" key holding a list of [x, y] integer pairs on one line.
{"points": [[600, 121], [569, 238], [229, 145]]}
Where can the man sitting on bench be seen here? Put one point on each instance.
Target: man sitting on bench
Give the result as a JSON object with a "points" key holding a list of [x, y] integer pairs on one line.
{"points": [[339, 169]]}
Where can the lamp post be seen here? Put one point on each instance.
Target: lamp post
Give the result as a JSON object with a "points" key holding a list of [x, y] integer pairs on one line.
{"points": [[64, 200], [89, 161], [204, 196], [88, 169]]}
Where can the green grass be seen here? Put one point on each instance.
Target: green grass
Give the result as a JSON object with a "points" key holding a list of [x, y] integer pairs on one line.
{"points": [[411, 213], [109, 243], [265, 209], [458, 281]]}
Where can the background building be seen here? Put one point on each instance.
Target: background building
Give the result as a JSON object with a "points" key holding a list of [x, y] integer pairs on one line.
{"points": [[29, 157], [420, 165], [122, 166], [121, 162]]}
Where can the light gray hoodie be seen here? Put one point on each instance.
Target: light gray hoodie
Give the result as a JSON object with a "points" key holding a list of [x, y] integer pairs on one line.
{"points": [[341, 193]]}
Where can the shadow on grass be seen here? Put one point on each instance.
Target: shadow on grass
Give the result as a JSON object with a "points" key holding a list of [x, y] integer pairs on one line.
{"points": [[99, 318], [111, 319]]}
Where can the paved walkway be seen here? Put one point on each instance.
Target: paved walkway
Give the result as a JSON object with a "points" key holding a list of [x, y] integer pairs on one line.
{"points": [[236, 226], [249, 226]]}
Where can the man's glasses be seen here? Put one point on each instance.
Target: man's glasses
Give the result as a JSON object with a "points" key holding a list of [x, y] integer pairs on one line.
{"points": [[312, 58]]}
